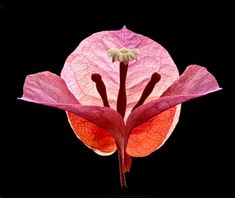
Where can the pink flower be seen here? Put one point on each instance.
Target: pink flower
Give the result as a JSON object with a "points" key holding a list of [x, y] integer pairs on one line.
{"points": [[137, 77]]}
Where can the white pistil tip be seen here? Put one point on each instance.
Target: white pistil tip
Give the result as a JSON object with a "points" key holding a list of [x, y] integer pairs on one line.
{"points": [[123, 55]]}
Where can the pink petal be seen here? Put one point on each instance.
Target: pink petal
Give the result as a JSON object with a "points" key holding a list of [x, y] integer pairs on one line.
{"points": [[49, 89], [91, 57], [195, 82], [46, 87]]}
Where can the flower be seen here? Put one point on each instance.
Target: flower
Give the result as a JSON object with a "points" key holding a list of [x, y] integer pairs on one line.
{"points": [[130, 102]]}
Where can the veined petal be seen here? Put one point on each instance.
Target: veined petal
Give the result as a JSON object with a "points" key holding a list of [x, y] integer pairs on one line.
{"points": [[94, 137], [150, 135], [195, 82], [91, 57], [49, 89], [46, 87]]}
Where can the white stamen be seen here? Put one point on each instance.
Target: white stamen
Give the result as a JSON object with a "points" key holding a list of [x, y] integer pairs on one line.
{"points": [[123, 55]]}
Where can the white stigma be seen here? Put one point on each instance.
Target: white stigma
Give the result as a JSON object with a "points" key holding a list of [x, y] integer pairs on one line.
{"points": [[123, 55]]}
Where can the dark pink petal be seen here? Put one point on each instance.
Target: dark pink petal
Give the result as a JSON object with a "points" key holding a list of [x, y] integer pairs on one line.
{"points": [[91, 57], [195, 82], [49, 89]]}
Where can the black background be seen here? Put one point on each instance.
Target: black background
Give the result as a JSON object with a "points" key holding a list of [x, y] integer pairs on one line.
{"points": [[41, 155]]}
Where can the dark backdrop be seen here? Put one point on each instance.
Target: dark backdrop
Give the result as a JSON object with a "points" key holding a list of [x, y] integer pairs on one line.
{"points": [[43, 157]]}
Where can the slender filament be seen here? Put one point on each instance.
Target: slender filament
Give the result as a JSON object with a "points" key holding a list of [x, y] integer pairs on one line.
{"points": [[148, 89], [100, 86]]}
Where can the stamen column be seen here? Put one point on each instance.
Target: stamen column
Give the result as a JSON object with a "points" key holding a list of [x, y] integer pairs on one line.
{"points": [[121, 99]]}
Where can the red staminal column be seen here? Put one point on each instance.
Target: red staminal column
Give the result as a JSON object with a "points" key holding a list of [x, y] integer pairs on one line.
{"points": [[121, 99]]}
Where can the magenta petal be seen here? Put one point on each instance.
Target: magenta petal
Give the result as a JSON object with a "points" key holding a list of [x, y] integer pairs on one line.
{"points": [[49, 89], [195, 82], [45, 88]]}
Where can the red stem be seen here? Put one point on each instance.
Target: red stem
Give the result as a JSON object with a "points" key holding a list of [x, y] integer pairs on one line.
{"points": [[122, 175]]}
